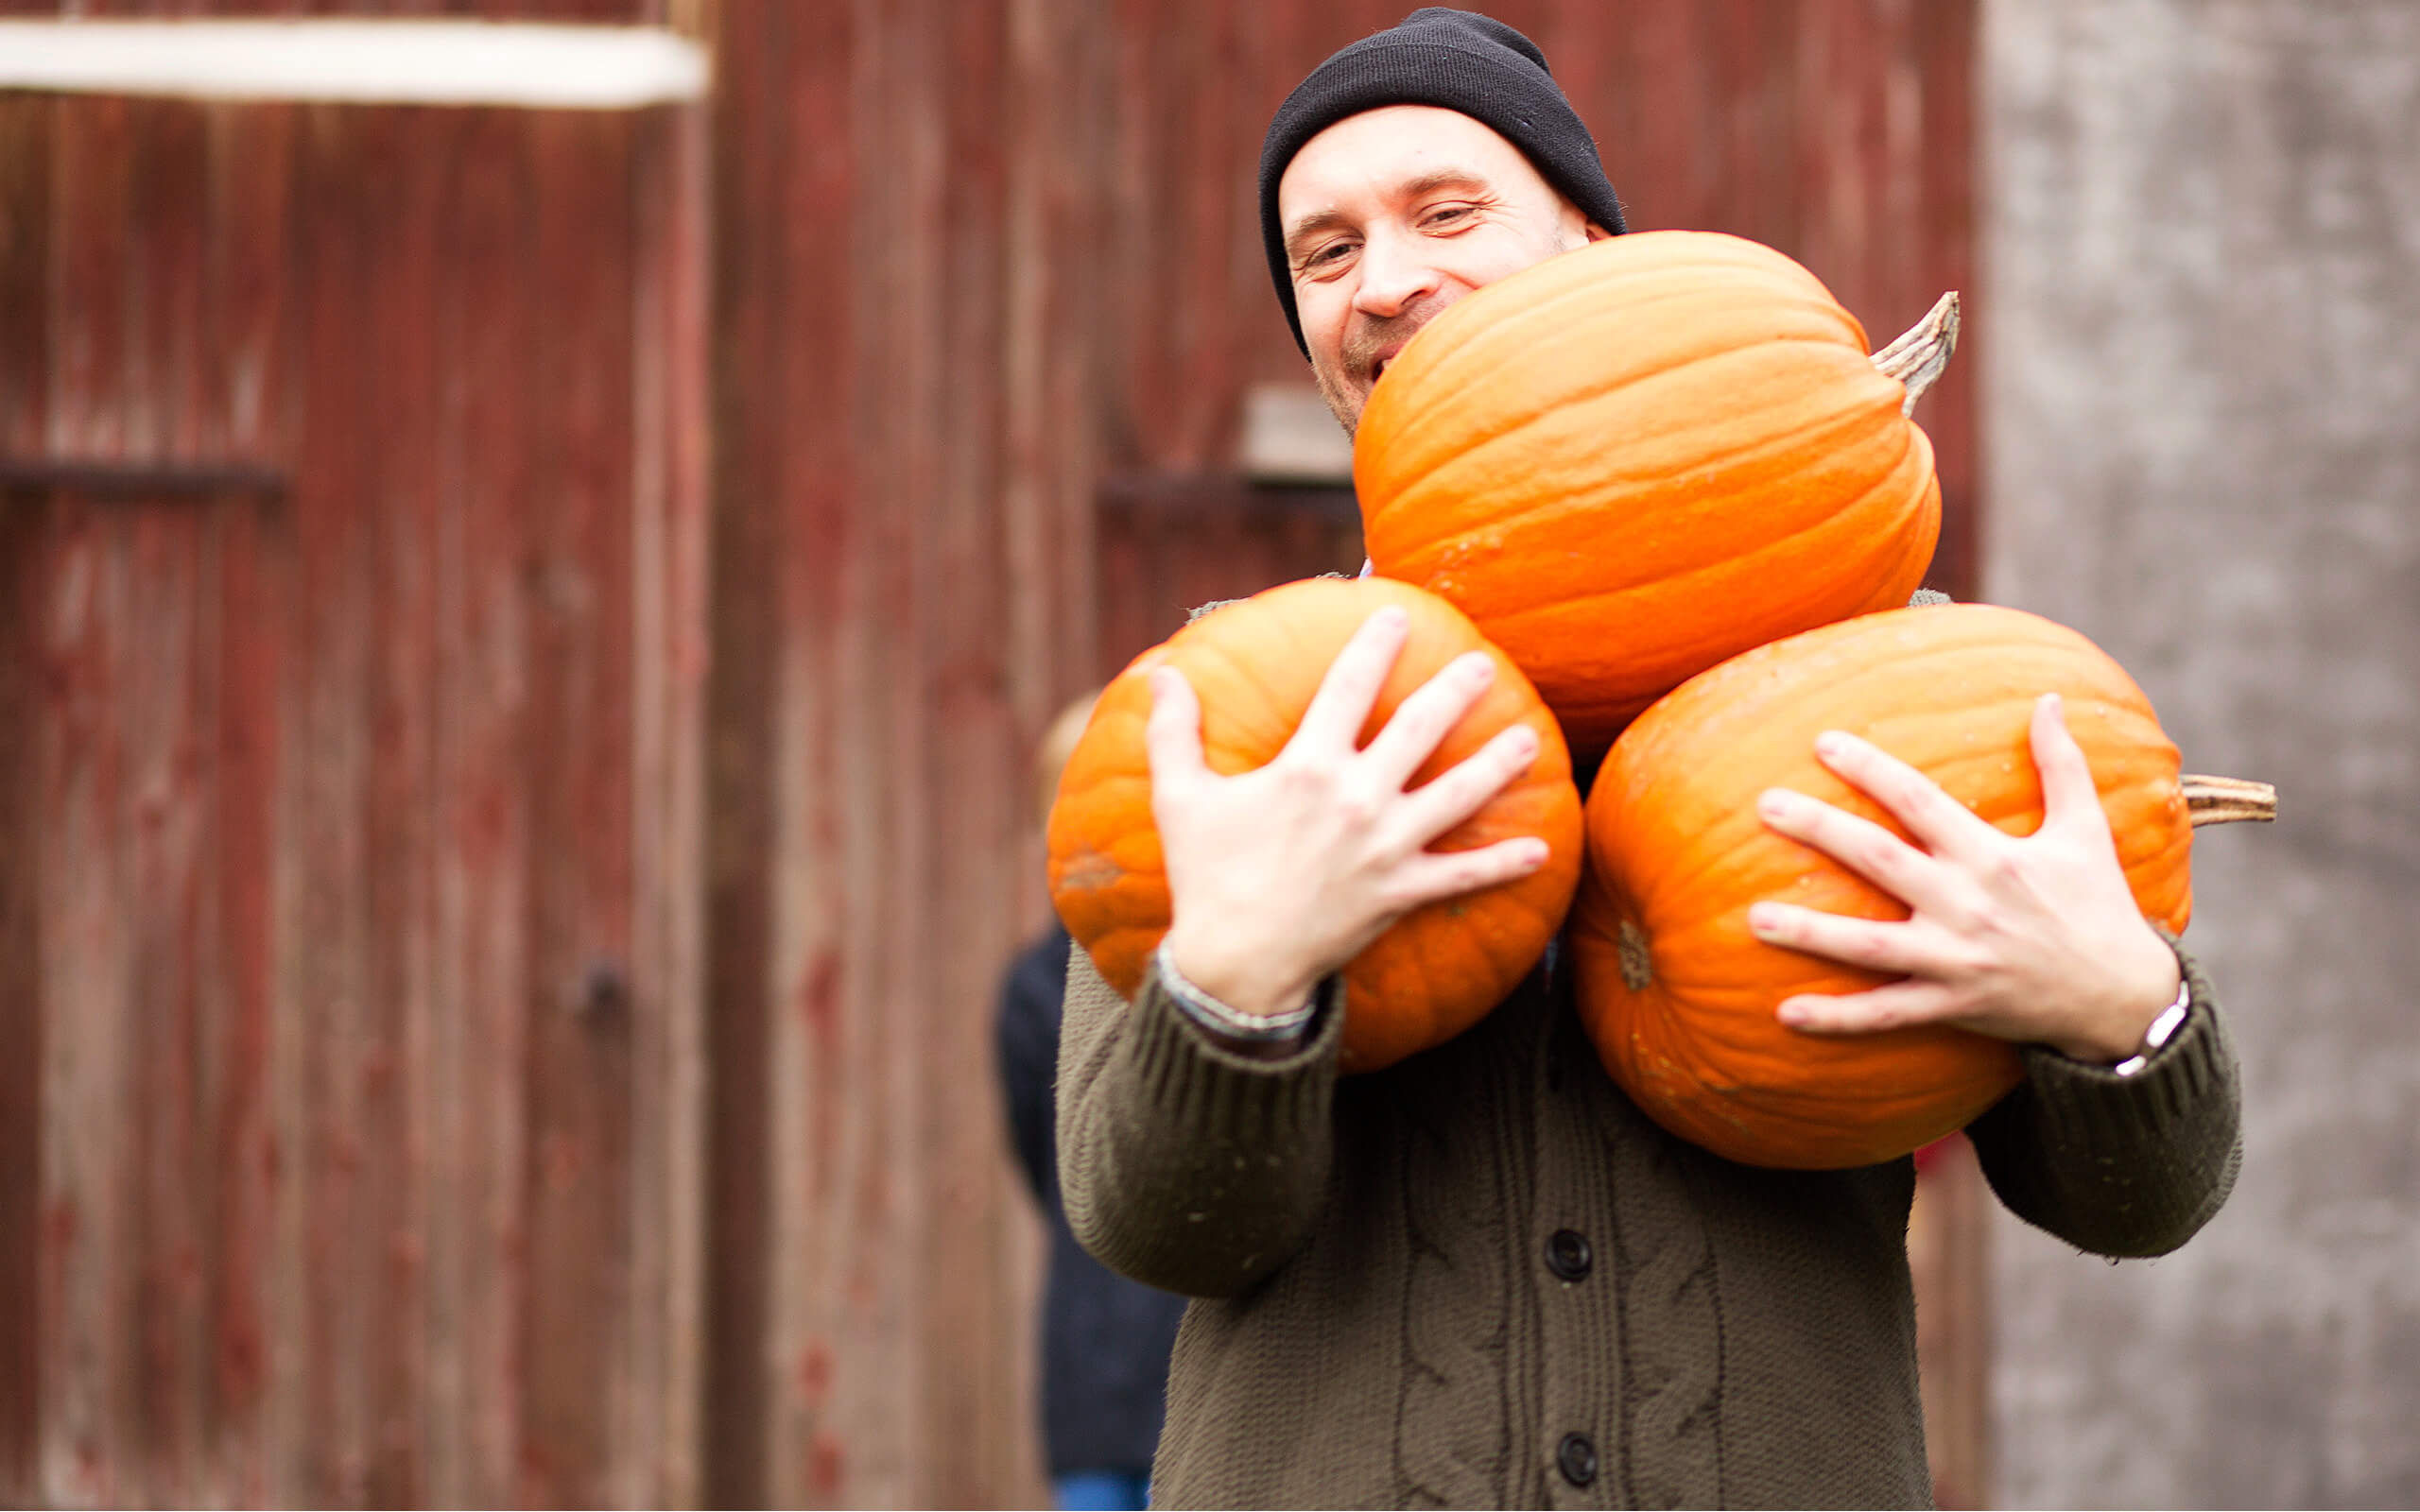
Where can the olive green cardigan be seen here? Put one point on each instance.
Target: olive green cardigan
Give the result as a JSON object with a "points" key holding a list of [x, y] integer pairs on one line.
{"points": [[1482, 1278]]}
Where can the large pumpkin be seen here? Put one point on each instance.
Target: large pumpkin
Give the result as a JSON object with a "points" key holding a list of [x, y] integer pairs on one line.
{"points": [[1676, 994], [1254, 666], [1635, 459]]}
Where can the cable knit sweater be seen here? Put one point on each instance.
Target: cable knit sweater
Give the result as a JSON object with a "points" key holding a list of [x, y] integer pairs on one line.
{"points": [[1483, 1278]]}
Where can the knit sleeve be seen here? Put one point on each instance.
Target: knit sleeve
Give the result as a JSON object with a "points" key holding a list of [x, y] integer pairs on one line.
{"points": [[1184, 1165], [2122, 1166]]}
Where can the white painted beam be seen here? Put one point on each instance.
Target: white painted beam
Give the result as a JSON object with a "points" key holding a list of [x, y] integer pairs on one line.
{"points": [[369, 62]]}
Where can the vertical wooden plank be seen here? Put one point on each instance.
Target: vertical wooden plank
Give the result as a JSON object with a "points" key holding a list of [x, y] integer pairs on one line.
{"points": [[387, 264], [971, 768], [1264, 49], [1900, 98], [1753, 62], [579, 1053], [84, 1280], [760, 67], [248, 168], [272, 403], [242, 581], [23, 564], [883, 823], [1060, 57], [1147, 367], [26, 150], [1666, 85], [479, 1245], [1055, 67], [450, 1088], [1202, 405], [88, 1272], [394, 510], [325, 926], [1944, 42], [159, 702], [842, 1407], [1837, 109], [245, 583], [165, 702], [670, 485]]}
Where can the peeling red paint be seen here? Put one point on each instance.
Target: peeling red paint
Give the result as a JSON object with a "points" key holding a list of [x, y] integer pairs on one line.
{"points": [[819, 1001], [406, 1253], [242, 1365], [827, 1467], [60, 1225], [814, 1374], [564, 1161]]}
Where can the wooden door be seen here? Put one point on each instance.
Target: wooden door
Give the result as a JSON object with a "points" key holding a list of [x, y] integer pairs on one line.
{"points": [[351, 549]]}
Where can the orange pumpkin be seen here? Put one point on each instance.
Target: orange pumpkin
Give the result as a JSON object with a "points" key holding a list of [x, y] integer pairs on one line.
{"points": [[1254, 666], [1676, 994], [1633, 460]]}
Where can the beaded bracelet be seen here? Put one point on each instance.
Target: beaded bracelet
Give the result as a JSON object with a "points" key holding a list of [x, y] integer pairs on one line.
{"points": [[1216, 1017]]}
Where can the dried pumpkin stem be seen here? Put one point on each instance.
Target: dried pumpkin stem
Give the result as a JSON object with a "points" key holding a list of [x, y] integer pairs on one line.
{"points": [[1919, 355], [2229, 801]]}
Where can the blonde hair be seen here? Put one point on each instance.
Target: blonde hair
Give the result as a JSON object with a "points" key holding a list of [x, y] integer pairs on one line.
{"points": [[1057, 744]]}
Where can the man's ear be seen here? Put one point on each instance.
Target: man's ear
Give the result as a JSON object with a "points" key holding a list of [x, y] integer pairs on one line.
{"points": [[1598, 233]]}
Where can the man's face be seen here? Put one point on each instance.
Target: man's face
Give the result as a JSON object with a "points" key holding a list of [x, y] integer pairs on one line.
{"points": [[1393, 214]]}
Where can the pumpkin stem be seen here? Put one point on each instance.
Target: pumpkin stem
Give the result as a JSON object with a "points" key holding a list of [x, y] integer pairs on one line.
{"points": [[2229, 801], [1919, 355]]}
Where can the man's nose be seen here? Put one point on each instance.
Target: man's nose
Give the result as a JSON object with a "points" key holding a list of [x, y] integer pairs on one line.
{"points": [[1396, 272]]}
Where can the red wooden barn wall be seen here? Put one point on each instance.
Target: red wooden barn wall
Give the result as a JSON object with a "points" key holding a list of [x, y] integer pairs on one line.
{"points": [[359, 1171], [352, 894], [988, 292]]}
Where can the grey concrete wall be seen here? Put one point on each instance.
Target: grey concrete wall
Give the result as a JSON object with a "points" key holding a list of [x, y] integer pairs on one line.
{"points": [[2200, 339]]}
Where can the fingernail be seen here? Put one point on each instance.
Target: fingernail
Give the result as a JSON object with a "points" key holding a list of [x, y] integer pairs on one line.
{"points": [[2050, 701], [1831, 742], [1773, 802], [1763, 918], [1393, 617], [1792, 1014], [1478, 666], [1524, 742]]}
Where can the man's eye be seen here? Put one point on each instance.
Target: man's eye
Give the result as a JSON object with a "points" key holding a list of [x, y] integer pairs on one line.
{"points": [[1328, 254], [1448, 213]]}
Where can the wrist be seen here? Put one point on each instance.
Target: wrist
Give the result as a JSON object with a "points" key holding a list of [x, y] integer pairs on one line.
{"points": [[1272, 1038], [1252, 984], [2123, 1032]]}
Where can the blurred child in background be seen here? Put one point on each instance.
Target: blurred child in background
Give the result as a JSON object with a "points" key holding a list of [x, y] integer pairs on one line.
{"points": [[1105, 1340]]}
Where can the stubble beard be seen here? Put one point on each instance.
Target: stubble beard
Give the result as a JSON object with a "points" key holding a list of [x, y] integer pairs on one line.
{"points": [[1344, 399], [1343, 387]]}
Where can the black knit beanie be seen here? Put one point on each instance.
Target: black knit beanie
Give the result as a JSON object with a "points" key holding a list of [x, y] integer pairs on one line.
{"points": [[1453, 58]]}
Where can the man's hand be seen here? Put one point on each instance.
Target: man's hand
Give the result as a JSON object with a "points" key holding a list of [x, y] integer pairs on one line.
{"points": [[1279, 876], [2033, 940]]}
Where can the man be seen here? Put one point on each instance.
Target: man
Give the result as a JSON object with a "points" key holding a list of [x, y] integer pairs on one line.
{"points": [[1482, 1277]]}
